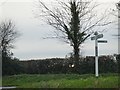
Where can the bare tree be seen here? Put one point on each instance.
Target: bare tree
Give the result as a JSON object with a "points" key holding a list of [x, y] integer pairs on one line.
{"points": [[117, 10], [118, 5], [116, 13], [8, 34], [74, 21]]}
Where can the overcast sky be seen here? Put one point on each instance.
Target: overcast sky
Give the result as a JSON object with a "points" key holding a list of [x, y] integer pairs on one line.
{"points": [[31, 45]]}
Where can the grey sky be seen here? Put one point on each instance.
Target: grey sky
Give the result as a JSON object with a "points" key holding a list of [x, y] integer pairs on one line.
{"points": [[31, 45]]}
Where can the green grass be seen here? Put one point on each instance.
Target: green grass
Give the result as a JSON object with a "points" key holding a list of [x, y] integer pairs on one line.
{"points": [[61, 81]]}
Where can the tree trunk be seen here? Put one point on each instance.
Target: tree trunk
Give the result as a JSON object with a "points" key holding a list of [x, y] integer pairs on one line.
{"points": [[76, 58]]}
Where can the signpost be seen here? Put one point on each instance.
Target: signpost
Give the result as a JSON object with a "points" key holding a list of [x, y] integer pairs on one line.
{"points": [[96, 37]]}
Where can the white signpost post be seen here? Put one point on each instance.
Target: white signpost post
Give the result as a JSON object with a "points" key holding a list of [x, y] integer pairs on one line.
{"points": [[96, 37]]}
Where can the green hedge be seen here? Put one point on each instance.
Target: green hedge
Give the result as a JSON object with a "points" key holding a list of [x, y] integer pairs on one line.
{"points": [[107, 64]]}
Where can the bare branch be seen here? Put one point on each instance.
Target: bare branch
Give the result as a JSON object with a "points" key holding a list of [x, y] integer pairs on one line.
{"points": [[7, 35]]}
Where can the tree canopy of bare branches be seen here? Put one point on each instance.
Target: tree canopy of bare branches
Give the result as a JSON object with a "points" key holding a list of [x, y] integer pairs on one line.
{"points": [[74, 21], [8, 34], [118, 5]]}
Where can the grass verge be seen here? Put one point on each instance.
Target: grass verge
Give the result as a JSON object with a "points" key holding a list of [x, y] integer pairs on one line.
{"points": [[61, 81]]}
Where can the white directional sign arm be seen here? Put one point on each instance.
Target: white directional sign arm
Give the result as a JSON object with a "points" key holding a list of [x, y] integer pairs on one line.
{"points": [[97, 37], [102, 41]]}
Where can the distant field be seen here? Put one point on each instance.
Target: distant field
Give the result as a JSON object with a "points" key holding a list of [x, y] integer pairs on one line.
{"points": [[61, 81]]}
